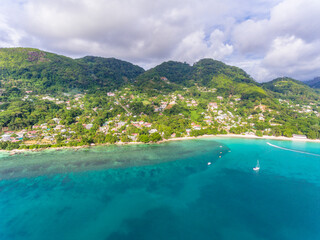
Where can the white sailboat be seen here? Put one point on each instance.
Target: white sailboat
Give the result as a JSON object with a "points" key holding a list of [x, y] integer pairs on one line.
{"points": [[257, 168]]}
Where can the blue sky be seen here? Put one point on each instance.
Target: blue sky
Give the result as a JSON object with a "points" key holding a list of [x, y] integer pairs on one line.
{"points": [[267, 38]]}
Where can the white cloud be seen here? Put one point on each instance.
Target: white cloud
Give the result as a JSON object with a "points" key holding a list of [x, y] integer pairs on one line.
{"points": [[285, 44], [298, 18], [194, 47], [293, 56], [9, 37], [286, 52], [252, 37]]}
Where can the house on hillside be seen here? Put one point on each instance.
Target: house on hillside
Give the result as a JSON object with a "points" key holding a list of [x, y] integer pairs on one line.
{"points": [[212, 106], [5, 137], [196, 127], [153, 131]]}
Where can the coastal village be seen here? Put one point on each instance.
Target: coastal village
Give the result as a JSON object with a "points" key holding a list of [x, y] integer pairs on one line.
{"points": [[159, 120], [215, 115]]}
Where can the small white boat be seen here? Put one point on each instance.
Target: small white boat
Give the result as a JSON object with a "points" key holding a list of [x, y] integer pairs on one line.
{"points": [[257, 168], [209, 163]]}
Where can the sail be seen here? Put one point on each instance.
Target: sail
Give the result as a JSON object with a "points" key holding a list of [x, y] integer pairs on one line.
{"points": [[257, 168]]}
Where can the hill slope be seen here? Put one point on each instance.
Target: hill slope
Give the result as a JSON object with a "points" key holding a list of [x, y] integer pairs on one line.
{"points": [[315, 83], [208, 73], [292, 89], [25, 69], [33, 69]]}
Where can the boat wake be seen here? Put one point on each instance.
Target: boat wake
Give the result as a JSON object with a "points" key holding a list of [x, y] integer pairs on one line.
{"points": [[292, 150]]}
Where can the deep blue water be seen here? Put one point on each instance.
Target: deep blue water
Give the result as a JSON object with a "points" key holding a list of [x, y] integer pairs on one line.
{"points": [[165, 191]]}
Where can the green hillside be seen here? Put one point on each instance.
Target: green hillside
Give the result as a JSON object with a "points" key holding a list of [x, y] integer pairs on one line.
{"points": [[109, 71], [207, 73], [17, 58], [315, 83], [288, 88], [27, 69], [41, 72], [228, 80], [168, 76]]}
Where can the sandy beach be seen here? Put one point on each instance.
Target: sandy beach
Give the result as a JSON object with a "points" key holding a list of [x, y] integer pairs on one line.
{"points": [[17, 151], [244, 136]]}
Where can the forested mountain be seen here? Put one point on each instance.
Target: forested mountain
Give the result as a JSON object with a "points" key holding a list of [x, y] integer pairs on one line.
{"points": [[26, 69], [315, 83], [109, 71], [288, 88], [209, 73], [168, 76], [39, 71], [52, 100], [228, 80]]}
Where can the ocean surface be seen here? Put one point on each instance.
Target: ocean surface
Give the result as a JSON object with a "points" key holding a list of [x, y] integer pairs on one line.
{"points": [[164, 191]]}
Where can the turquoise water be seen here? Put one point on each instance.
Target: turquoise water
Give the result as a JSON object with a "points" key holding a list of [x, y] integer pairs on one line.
{"points": [[165, 191]]}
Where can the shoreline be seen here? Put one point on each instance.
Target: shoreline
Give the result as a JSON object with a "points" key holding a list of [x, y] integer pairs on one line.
{"points": [[281, 138]]}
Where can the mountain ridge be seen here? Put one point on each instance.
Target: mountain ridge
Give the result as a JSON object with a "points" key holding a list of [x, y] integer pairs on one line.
{"points": [[41, 71], [51, 72], [314, 83], [51, 100]]}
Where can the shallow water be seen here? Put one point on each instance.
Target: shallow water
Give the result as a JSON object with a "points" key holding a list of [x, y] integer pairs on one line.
{"points": [[163, 191]]}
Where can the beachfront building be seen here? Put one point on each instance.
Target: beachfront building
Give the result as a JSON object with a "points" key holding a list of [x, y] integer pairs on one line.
{"points": [[297, 136]]}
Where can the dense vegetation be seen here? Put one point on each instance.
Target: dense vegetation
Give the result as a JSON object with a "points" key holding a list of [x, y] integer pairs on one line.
{"points": [[44, 72], [289, 88], [51, 100], [315, 83]]}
